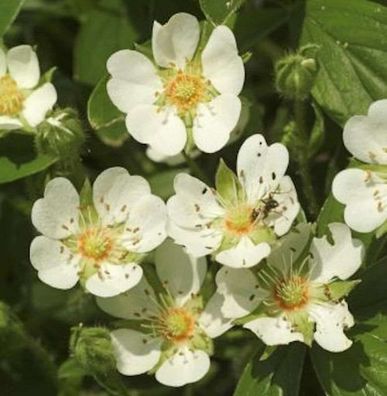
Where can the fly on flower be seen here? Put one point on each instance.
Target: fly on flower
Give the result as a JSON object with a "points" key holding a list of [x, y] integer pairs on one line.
{"points": [[24, 100], [185, 95], [169, 334], [98, 240], [297, 296], [240, 220], [364, 190]]}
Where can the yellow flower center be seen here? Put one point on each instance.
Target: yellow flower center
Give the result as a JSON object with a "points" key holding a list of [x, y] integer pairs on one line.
{"points": [[240, 220], [292, 294], [11, 98], [185, 91], [95, 244], [176, 325]]}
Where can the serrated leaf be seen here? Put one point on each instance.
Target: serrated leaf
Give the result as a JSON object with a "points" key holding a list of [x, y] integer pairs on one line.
{"points": [[362, 369], [219, 12], [277, 375], [352, 67], [227, 184], [8, 12], [18, 158]]}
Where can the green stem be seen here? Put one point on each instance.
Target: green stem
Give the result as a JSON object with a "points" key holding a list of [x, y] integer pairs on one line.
{"points": [[196, 169], [302, 157]]}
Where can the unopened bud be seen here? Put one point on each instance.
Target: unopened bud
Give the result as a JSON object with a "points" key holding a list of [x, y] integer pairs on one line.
{"points": [[61, 135], [295, 74]]}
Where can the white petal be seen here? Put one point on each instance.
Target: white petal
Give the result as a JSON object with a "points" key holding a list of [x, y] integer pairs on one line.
{"points": [[221, 63], [135, 352], [239, 287], [341, 260], [180, 273], [3, 63], [194, 203], [215, 121], [175, 42], [146, 226], [115, 192], [162, 129], [134, 81], [23, 66], [113, 279], [274, 331], [9, 123], [197, 242], [135, 304], [211, 320], [282, 217], [365, 136], [331, 320], [56, 265], [185, 367], [261, 167], [39, 103], [56, 215], [363, 193], [244, 255]]}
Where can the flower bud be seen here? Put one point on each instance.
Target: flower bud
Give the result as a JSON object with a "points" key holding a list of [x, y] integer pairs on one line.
{"points": [[61, 135], [295, 73], [93, 350]]}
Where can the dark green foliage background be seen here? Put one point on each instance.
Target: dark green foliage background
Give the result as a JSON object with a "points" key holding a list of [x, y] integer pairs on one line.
{"points": [[77, 36]]}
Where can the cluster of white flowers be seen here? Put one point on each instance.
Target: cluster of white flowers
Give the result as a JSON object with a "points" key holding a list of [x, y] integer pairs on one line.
{"points": [[278, 278]]}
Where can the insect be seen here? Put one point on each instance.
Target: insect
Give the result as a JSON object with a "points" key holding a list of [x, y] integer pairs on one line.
{"points": [[268, 205]]}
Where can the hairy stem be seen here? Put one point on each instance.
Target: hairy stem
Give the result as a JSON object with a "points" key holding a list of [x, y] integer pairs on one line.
{"points": [[302, 157]]}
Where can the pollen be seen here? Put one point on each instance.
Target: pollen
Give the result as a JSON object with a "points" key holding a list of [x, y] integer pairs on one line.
{"points": [[240, 220], [292, 294], [95, 244], [176, 325], [185, 91], [11, 98]]}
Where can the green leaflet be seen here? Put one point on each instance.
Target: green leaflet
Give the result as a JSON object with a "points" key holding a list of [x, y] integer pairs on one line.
{"points": [[277, 375], [18, 158], [8, 12], [353, 48]]}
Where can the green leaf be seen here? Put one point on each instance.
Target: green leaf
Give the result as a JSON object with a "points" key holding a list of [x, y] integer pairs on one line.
{"points": [[352, 67], [219, 12], [362, 369], [227, 184], [8, 12], [277, 375], [371, 293], [105, 31], [253, 26], [105, 118], [18, 158]]}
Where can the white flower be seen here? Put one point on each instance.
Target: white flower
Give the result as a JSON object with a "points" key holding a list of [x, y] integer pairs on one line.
{"points": [[238, 222], [23, 102], [294, 298], [364, 191], [100, 242], [175, 337], [186, 95]]}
